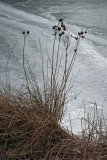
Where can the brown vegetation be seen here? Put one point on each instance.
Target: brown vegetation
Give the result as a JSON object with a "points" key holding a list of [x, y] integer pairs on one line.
{"points": [[29, 131]]}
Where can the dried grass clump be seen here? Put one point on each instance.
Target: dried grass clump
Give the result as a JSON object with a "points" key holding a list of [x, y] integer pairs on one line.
{"points": [[29, 131], [26, 128]]}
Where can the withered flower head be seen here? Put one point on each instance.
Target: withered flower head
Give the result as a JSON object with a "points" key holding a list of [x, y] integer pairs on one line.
{"points": [[61, 19], [59, 28], [54, 27], [82, 32], [60, 34], [28, 32], [76, 38], [75, 50], [63, 33], [23, 32]]}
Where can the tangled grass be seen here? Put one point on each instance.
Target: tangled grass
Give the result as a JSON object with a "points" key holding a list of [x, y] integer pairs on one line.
{"points": [[27, 131]]}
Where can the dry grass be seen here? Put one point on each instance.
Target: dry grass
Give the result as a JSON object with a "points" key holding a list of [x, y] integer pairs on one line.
{"points": [[29, 131]]}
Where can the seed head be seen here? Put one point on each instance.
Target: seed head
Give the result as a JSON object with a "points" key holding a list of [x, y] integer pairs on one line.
{"points": [[63, 33], [61, 19], [82, 32], [23, 32], [59, 28], [60, 34], [76, 38], [75, 50], [54, 27], [28, 32]]}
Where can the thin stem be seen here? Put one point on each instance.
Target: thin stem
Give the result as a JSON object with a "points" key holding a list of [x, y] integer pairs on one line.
{"points": [[24, 66]]}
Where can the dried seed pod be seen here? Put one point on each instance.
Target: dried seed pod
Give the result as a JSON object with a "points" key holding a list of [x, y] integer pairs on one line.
{"points": [[59, 28], [76, 38], [60, 34], [82, 32], [23, 32], [54, 27], [83, 36], [60, 19], [75, 50], [28, 32], [63, 33]]}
